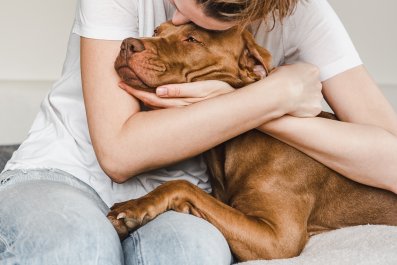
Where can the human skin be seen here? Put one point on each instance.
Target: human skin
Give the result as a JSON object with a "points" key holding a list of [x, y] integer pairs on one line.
{"points": [[127, 141], [362, 147]]}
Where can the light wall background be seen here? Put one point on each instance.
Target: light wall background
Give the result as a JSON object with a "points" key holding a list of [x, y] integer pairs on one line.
{"points": [[34, 35]]}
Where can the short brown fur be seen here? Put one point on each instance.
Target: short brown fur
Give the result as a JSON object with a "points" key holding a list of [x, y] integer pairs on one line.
{"points": [[268, 197]]}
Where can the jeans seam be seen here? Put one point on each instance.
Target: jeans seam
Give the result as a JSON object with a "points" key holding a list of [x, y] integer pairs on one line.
{"points": [[137, 244], [5, 242], [180, 243]]}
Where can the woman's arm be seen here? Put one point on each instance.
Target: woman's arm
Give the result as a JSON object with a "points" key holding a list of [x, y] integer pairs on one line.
{"points": [[128, 142], [363, 146]]}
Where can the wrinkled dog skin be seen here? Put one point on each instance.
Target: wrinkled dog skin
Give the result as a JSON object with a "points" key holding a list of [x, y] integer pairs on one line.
{"points": [[268, 198], [188, 53]]}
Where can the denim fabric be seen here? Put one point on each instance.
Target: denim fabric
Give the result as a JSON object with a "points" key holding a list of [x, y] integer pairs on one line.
{"points": [[48, 217], [175, 239]]}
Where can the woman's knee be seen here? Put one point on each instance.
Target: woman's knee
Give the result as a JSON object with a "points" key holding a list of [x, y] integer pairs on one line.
{"points": [[175, 238], [43, 221]]}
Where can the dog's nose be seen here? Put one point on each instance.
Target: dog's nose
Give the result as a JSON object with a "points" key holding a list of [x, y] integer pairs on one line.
{"points": [[132, 45]]}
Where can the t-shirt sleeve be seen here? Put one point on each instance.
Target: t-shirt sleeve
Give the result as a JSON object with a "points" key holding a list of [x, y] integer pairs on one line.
{"points": [[107, 19], [316, 35]]}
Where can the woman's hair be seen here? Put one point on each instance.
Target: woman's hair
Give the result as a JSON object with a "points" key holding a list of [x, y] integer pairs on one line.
{"points": [[245, 11]]}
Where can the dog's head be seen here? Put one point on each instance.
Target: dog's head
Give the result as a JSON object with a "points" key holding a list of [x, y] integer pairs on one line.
{"points": [[187, 53]]}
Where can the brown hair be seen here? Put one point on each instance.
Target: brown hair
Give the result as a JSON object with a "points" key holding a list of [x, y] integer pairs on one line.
{"points": [[246, 11]]}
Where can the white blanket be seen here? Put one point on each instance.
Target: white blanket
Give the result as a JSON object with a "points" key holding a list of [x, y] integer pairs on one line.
{"points": [[358, 245]]}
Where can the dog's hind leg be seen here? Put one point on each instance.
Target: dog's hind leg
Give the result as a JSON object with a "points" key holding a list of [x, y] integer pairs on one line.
{"points": [[273, 226]]}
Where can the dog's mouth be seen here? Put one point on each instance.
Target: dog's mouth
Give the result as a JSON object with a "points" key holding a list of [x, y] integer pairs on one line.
{"points": [[127, 74], [131, 78]]}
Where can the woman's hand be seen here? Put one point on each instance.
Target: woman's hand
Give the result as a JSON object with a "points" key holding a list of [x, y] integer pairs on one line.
{"points": [[300, 81], [179, 95], [302, 84]]}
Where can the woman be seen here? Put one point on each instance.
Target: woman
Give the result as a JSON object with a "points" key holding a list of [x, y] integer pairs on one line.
{"points": [[91, 146]]}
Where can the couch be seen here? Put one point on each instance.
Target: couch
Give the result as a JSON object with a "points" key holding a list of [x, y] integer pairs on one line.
{"points": [[6, 153]]}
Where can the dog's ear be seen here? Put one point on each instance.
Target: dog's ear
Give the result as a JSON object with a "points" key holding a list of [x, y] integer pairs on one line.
{"points": [[255, 61]]}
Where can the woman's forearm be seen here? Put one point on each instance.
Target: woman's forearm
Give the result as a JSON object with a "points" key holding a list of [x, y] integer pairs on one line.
{"points": [[363, 153], [128, 142], [157, 138]]}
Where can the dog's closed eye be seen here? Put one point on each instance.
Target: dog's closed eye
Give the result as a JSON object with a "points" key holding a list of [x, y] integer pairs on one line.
{"points": [[192, 39]]}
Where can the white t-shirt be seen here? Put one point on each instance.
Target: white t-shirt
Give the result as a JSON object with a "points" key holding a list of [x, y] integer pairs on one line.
{"points": [[59, 137]]}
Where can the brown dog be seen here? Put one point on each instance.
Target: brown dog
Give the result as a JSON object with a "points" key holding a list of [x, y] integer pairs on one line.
{"points": [[268, 198]]}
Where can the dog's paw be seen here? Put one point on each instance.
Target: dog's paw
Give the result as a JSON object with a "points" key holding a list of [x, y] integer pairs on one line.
{"points": [[119, 225], [130, 215]]}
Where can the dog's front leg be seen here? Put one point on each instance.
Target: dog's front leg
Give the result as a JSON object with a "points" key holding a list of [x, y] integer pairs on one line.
{"points": [[264, 235], [173, 195], [130, 215]]}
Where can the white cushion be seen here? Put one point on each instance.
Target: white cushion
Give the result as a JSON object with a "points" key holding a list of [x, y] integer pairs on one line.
{"points": [[358, 245]]}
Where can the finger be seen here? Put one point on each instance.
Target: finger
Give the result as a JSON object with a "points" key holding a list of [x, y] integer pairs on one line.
{"points": [[165, 103], [131, 90], [151, 100], [178, 91], [124, 86], [199, 89]]}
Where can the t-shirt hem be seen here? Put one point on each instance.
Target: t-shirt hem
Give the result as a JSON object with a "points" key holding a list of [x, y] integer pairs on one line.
{"points": [[339, 66]]}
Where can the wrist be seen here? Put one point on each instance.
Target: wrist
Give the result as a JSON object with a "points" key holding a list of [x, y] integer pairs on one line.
{"points": [[280, 90], [275, 126]]}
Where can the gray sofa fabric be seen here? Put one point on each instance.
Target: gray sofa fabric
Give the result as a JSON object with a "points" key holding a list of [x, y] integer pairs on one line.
{"points": [[6, 153]]}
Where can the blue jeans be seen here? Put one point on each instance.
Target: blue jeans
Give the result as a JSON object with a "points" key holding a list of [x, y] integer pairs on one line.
{"points": [[48, 217]]}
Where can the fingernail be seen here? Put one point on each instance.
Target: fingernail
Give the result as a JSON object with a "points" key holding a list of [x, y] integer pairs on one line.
{"points": [[161, 91], [121, 216]]}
